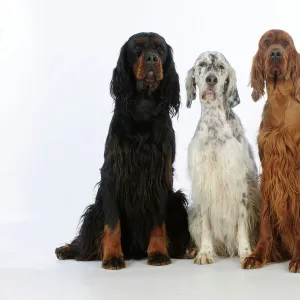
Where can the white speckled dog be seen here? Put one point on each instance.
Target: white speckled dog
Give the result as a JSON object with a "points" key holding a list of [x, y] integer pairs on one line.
{"points": [[225, 212]]}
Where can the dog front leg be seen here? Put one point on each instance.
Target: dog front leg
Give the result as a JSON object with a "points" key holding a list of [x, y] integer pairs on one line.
{"points": [[244, 247], [111, 241], [294, 265], [204, 240], [157, 248], [263, 249]]}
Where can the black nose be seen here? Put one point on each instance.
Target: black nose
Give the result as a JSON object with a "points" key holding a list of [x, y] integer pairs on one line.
{"points": [[211, 80], [275, 54], [151, 57]]}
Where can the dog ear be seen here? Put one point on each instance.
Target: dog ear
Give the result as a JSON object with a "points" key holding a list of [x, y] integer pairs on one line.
{"points": [[257, 77], [120, 85], [170, 90], [295, 73], [232, 94], [190, 86]]}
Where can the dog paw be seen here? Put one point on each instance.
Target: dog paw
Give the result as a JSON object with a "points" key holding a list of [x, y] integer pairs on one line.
{"points": [[244, 254], [190, 253], [294, 266], [203, 259], [252, 262], [114, 263], [158, 259]]}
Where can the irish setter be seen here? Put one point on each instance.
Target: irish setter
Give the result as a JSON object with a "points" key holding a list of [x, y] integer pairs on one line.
{"points": [[276, 65]]}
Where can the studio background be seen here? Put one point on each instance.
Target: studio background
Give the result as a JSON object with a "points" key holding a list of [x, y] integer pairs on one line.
{"points": [[56, 62]]}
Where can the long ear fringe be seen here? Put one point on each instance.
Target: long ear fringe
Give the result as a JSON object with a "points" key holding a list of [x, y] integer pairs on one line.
{"points": [[257, 77], [120, 85], [190, 86], [170, 90], [295, 74], [233, 98]]}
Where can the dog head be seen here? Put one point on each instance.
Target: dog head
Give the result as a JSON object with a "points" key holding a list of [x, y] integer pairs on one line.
{"points": [[145, 80], [275, 58], [215, 79]]}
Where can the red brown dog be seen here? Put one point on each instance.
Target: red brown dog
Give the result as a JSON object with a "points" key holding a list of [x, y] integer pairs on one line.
{"points": [[276, 66]]}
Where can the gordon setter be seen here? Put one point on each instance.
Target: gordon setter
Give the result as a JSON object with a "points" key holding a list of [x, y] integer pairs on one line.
{"points": [[136, 213]]}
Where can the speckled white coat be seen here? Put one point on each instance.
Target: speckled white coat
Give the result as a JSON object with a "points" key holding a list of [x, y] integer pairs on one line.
{"points": [[225, 211]]}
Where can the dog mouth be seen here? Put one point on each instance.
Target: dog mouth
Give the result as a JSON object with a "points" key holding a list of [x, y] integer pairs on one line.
{"points": [[275, 71], [208, 94], [149, 82], [150, 79]]}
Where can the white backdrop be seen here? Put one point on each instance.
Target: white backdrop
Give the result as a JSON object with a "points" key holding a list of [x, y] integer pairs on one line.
{"points": [[56, 61]]}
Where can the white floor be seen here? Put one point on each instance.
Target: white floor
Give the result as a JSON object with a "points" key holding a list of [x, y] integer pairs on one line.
{"points": [[30, 270]]}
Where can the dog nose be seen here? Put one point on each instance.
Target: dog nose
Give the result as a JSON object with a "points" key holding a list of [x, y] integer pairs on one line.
{"points": [[211, 80], [275, 54], [151, 57]]}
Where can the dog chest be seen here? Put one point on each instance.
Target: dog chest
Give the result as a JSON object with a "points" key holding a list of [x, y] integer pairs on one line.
{"points": [[218, 163]]}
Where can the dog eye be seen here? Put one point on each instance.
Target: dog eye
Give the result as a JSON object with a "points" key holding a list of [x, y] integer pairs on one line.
{"points": [[159, 49], [285, 43], [222, 67], [203, 64], [137, 48], [267, 42]]}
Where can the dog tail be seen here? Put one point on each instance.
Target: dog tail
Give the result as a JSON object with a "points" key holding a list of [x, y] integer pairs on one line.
{"points": [[68, 251], [87, 245], [177, 224]]}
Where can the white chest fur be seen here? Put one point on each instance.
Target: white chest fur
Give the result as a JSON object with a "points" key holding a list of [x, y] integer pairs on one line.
{"points": [[222, 173]]}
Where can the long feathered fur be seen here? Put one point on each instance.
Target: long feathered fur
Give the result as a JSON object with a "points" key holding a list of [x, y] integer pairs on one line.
{"points": [[279, 151], [136, 187], [225, 212]]}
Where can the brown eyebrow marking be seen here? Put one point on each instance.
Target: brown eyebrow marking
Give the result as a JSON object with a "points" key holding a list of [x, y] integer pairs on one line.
{"points": [[157, 42], [140, 42]]}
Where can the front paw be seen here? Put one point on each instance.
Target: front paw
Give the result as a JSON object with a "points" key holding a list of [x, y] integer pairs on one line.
{"points": [[190, 253], [158, 259], [294, 266], [114, 263], [252, 262], [244, 254], [204, 258]]}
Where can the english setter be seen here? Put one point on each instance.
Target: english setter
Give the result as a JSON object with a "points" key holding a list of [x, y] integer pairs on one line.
{"points": [[224, 216]]}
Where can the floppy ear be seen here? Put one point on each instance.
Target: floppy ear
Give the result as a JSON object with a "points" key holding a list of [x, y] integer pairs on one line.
{"points": [[170, 89], [232, 94], [295, 73], [120, 85], [257, 80], [190, 86]]}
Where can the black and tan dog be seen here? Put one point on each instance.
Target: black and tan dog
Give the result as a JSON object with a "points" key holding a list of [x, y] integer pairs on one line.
{"points": [[136, 213]]}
